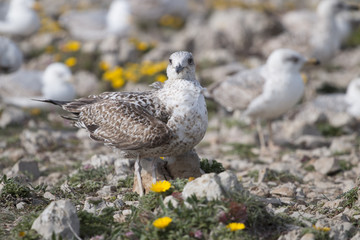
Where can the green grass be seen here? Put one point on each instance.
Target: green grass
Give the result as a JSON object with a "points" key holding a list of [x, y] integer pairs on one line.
{"points": [[329, 131]]}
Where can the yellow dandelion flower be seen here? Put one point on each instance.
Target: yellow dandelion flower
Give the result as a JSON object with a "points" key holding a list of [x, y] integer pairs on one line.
{"points": [[118, 82], [22, 234], [324, 229], [161, 78], [104, 66], [191, 179], [142, 46], [35, 111], [71, 61], [235, 226], [71, 46], [162, 158], [160, 186], [162, 222]]}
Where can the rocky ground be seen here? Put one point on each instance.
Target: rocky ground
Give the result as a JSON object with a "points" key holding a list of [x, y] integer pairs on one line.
{"points": [[308, 189]]}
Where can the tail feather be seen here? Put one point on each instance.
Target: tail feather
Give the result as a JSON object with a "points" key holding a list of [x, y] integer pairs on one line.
{"points": [[55, 102]]}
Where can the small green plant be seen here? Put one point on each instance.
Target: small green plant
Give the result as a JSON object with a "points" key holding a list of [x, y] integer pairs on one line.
{"points": [[131, 196], [350, 196], [22, 230], [91, 225], [13, 189], [211, 167], [329, 131], [242, 150], [128, 182], [88, 180], [345, 165], [319, 234]]}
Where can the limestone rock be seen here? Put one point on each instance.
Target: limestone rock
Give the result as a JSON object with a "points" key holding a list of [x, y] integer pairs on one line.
{"points": [[286, 190], [59, 218], [326, 165], [212, 186]]}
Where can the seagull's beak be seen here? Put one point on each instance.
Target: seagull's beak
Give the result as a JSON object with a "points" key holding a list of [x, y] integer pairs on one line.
{"points": [[312, 61], [179, 68]]}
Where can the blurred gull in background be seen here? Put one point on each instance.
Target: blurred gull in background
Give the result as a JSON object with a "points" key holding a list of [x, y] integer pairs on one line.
{"points": [[21, 87], [98, 24], [318, 34], [20, 19], [265, 93], [11, 57]]}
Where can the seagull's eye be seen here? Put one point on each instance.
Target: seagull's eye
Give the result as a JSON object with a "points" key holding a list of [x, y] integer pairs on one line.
{"points": [[170, 61], [293, 59], [190, 61]]}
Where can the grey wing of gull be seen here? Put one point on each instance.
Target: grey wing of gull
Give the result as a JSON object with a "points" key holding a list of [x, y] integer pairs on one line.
{"points": [[237, 91], [4, 7], [331, 103], [125, 122], [22, 83], [89, 25]]}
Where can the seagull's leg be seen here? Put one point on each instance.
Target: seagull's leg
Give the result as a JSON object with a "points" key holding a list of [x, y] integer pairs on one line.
{"points": [[153, 169], [138, 175], [272, 145], [261, 136]]}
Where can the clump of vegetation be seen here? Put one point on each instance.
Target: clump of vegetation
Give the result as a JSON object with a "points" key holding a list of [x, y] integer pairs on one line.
{"points": [[91, 225], [319, 233], [350, 197], [13, 189], [283, 176], [329, 131], [23, 229], [211, 166], [128, 182], [131, 196], [88, 180], [345, 165], [242, 150]]}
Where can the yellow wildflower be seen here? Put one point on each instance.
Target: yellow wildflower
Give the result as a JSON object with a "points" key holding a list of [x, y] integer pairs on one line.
{"points": [[191, 179], [160, 186], [104, 66], [235, 226], [22, 234], [118, 82], [162, 158], [142, 46], [162, 222], [161, 78], [71, 61], [71, 46], [324, 229]]}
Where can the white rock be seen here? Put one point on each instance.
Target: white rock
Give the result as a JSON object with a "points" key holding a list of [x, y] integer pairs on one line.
{"points": [[212, 186], [173, 201], [20, 205], [59, 218], [12, 115], [287, 190], [49, 196], [308, 236], [326, 165]]}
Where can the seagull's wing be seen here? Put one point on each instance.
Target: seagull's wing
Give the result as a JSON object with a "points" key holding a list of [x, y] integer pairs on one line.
{"points": [[130, 123], [237, 91], [22, 83], [85, 25]]}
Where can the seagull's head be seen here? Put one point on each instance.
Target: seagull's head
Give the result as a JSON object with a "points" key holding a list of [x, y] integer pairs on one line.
{"points": [[287, 60], [57, 73], [181, 66], [329, 8]]}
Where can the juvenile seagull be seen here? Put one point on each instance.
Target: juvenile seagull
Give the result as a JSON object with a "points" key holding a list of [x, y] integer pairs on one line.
{"points": [[265, 93], [165, 121], [11, 57], [21, 20]]}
